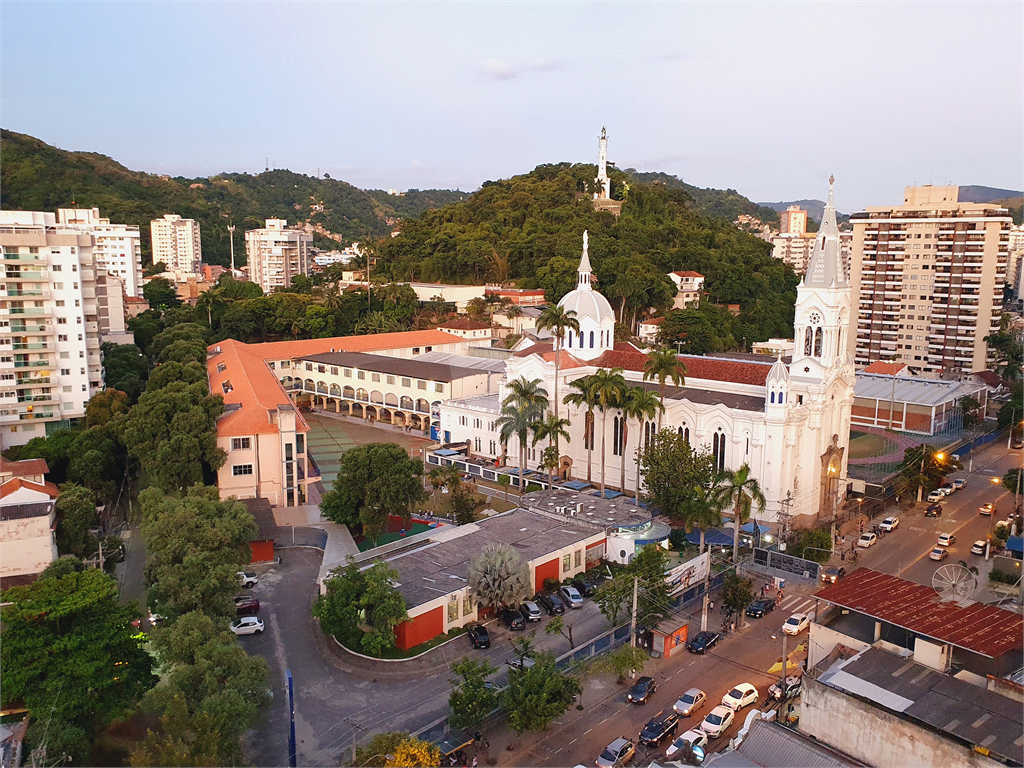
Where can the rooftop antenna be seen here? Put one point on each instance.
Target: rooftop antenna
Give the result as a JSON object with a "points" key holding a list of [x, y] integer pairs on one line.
{"points": [[268, 164]]}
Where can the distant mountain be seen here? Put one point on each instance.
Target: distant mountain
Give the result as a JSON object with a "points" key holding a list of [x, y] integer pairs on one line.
{"points": [[980, 194]]}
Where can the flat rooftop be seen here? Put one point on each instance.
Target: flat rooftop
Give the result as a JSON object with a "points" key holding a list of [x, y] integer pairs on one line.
{"points": [[601, 513], [494, 365]]}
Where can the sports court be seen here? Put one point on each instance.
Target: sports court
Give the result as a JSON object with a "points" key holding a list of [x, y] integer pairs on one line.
{"points": [[330, 437]]}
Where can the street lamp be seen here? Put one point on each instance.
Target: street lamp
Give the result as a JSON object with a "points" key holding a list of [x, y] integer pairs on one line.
{"points": [[924, 457]]}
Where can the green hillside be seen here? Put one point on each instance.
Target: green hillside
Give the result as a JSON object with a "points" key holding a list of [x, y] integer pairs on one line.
{"points": [[727, 203], [37, 176]]}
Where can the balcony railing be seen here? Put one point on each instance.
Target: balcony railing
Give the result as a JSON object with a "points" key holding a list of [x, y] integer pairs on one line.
{"points": [[32, 363], [25, 274]]}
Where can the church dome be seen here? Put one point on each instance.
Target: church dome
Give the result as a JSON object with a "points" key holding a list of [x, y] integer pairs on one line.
{"points": [[584, 300]]}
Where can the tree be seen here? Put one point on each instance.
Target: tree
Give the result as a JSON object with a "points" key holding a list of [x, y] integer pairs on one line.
{"points": [[524, 405], [551, 429], [362, 608], [673, 472], [741, 491], [815, 544], [504, 481], [737, 592], [70, 652], [471, 700], [623, 660], [497, 576], [969, 411], [104, 406], [161, 294], [558, 320], [690, 331], [397, 750], [664, 364], [538, 695], [65, 565], [1012, 481], [640, 404], [183, 740], [585, 395], [647, 567], [195, 546], [173, 433], [125, 368], [189, 372], [193, 335], [609, 387], [701, 510], [374, 482], [923, 466], [558, 626], [76, 513]]}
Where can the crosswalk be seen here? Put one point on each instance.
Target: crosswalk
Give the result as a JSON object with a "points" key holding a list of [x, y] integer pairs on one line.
{"points": [[797, 604]]}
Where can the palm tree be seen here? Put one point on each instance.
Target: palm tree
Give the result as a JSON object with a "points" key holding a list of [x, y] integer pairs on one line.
{"points": [[208, 300], [702, 511], [551, 429], [609, 386], [512, 311], [741, 491], [523, 406], [664, 364], [642, 405], [558, 320], [585, 396], [498, 576]]}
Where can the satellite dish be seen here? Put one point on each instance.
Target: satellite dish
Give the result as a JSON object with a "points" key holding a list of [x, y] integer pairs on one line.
{"points": [[954, 582]]}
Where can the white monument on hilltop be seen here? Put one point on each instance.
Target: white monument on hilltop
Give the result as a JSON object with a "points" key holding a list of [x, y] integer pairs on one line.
{"points": [[605, 192]]}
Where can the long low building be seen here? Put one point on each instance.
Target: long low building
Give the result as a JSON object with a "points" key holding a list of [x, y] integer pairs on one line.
{"points": [[911, 404]]}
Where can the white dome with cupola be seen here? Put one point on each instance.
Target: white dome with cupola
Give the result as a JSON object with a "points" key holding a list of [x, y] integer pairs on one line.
{"points": [[593, 312]]}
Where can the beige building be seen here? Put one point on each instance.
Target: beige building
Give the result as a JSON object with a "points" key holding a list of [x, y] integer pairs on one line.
{"points": [[27, 521], [176, 243], [277, 254], [928, 276], [117, 248], [793, 249], [689, 285], [793, 221]]}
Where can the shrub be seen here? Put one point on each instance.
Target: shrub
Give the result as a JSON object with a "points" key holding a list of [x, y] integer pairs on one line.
{"points": [[677, 538], [1001, 577], [551, 584]]}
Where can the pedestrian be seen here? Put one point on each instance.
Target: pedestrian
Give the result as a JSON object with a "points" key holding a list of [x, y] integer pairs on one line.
{"points": [[762, 591], [711, 605], [476, 762]]}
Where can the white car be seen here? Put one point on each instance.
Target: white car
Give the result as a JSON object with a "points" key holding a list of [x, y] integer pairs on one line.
{"points": [[695, 738], [717, 721], [946, 539], [740, 696], [797, 623], [978, 548], [936, 496], [247, 580], [890, 524], [247, 625], [867, 540]]}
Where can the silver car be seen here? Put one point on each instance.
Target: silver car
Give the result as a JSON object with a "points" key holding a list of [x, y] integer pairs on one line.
{"points": [[571, 596], [530, 611], [690, 702]]}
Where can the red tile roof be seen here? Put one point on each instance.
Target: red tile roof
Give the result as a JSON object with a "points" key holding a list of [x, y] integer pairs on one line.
{"points": [[653, 321], [688, 273], [977, 627], [546, 350], [884, 368], [710, 369], [989, 378], [280, 350], [19, 482], [25, 467]]}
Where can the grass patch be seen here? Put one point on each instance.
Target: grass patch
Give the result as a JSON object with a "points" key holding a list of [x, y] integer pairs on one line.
{"points": [[865, 444], [387, 538]]}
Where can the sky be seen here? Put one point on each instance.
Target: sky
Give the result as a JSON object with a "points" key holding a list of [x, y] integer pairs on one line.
{"points": [[767, 98]]}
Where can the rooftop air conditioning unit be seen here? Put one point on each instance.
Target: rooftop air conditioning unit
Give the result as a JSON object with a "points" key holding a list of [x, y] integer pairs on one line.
{"points": [[579, 507]]}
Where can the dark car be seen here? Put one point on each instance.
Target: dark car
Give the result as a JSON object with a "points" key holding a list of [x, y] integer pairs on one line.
{"points": [[641, 690], [933, 510], [585, 588], [245, 605], [513, 619], [551, 603], [663, 724], [759, 608], [833, 574], [702, 641], [478, 636]]}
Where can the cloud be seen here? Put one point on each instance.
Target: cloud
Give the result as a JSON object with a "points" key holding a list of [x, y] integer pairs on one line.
{"points": [[495, 69]]}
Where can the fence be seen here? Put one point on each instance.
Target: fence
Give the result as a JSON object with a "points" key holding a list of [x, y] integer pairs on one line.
{"points": [[597, 646]]}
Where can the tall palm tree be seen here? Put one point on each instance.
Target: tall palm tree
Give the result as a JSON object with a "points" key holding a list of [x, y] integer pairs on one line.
{"points": [[524, 405], [558, 320], [512, 311], [640, 404], [209, 300], [551, 429], [609, 386], [664, 364], [585, 395], [740, 491], [702, 511]]}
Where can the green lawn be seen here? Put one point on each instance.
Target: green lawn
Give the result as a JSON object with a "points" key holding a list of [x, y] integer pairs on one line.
{"points": [[387, 538], [864, 444]]}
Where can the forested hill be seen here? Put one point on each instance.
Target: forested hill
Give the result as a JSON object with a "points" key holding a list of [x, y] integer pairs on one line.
{"points": [[529, 229], [36, 176], [727, 203]]}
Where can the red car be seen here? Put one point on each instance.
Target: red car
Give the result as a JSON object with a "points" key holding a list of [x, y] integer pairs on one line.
{"points": [[246, 604]]}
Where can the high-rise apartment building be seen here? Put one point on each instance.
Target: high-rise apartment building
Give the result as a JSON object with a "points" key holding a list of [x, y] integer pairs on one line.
{"points": [[929, 277], [176, 244], [277, 254], [793, 221], [117, 248], [794, 250], [50, 325]]}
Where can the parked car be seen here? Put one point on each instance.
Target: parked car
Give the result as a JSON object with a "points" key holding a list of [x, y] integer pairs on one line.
{"points": [[717, 721], [890, 524], [759, 608], [247, 580], [933, 510], [960, 483], [702, 642], [247, 625], [513, 619], [642, 690], [792, 688], [571, 597], [938, 553], [936, 496], [530, 611], [663, 724], [832, 574], [987, 509], [867, 540], [478, 636], [948, 489], [521, 663], [585, 588], [1017, 443], [246, 606], [690, 702], [797, 623], [740, 696], [978, 548], [946, 539], [694, 737], [551, 603], [619, 752]]}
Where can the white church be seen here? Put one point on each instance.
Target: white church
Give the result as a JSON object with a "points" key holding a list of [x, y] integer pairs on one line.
{"points": [[789, 421]]}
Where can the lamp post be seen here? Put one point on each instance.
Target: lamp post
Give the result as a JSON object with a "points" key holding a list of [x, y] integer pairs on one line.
{"points": [[1009, 434]]}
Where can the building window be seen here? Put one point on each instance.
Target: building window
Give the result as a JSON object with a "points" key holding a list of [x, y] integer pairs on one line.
{"points": [[453, 610], [406, 382], [494, 448], [391, 379], [300, 443], [718, 449], [241, 469], [240, 443], [476, 423], [272, 365], [334, 370], [462, 421], [467, 605], [360, 374], [618, 435], [591, 339], [421, 384], [578, 555], [476, 444], [309, 366], [375, 377], [566, 562], [437, 387], [286, 363]]}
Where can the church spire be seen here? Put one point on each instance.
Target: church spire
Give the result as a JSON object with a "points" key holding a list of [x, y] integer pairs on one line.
{"points": [[825, 267], [584, 271]]}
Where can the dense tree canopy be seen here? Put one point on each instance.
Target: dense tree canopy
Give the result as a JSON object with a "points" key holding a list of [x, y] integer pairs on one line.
{"points": [[673, 470], [362, 608]]}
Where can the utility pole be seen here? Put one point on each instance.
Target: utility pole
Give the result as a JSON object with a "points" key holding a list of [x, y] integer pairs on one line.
{"points": [[632, 623], [231, 231], [1009, 434], [785, 664]]}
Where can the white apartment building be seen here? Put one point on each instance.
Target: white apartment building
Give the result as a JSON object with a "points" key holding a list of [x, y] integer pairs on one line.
{"points": [[689, 285], [277, 254], [793, 249], [176, 243], [928, 276], [117, 248], [50, 325]]}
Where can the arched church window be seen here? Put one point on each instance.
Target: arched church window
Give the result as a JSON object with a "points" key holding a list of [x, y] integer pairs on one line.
{"points": [[570, 339], [618, 436], [773, 396], [684, 432], [817, 342], [808, 341], [591, 339], [782, 396], [718, 449]]}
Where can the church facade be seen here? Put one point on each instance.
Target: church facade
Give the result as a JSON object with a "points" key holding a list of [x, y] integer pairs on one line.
{"points": [[789, 420]]}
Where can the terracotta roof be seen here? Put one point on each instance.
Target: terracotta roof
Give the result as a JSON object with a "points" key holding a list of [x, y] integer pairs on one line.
{"points": [[990, 378], [546, 350], [697, 367], [279, 350], [253, 389], [25, 467], [136, 300], [688, 273], [19, 482], [983, 629], [653, 321], [884, 368], [464, 324]]}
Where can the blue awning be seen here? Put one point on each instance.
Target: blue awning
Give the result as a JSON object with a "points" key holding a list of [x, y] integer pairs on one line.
{"points": [[446, 452], [608, 493], [712, 537], [1015, 543], [749, 528], [576, 485]]}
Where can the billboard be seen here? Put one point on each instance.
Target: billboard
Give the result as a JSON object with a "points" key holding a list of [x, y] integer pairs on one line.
{"points": [[685, 575]]}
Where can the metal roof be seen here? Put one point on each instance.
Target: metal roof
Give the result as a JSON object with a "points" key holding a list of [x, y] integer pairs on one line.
{"points": [[400, 366], [495, 365], [982, 629], [772, 745], [914, 391]]}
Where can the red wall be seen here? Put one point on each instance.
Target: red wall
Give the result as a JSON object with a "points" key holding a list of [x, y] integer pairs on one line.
{"points": [[262, 551], [419, 629], [548, 570], [676, 639]]}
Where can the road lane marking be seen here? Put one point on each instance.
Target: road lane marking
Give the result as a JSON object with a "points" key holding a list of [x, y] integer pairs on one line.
{"points": [[558, 750], [587, 731], [574, 741]]}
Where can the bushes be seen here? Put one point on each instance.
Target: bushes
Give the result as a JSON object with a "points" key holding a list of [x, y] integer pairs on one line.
{"points": [[677, 538], [1001, 577]]}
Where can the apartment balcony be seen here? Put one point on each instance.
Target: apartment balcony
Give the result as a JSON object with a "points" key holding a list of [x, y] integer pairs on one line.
{"points": [[36, 276], [25, 311], [32, 345], [22, 329], [35, 398], [25, 381], [33, 364], [27, 259], [34, 293]]}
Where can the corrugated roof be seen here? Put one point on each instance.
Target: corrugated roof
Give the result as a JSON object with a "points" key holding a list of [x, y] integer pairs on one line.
{"points": [[773, 746], [494, 365], [983, 629], [399, 366], [914, 391], [281, 350]]}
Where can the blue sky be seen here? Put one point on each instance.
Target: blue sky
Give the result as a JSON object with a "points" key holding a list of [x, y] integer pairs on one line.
{"points": [[768, 98]]}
